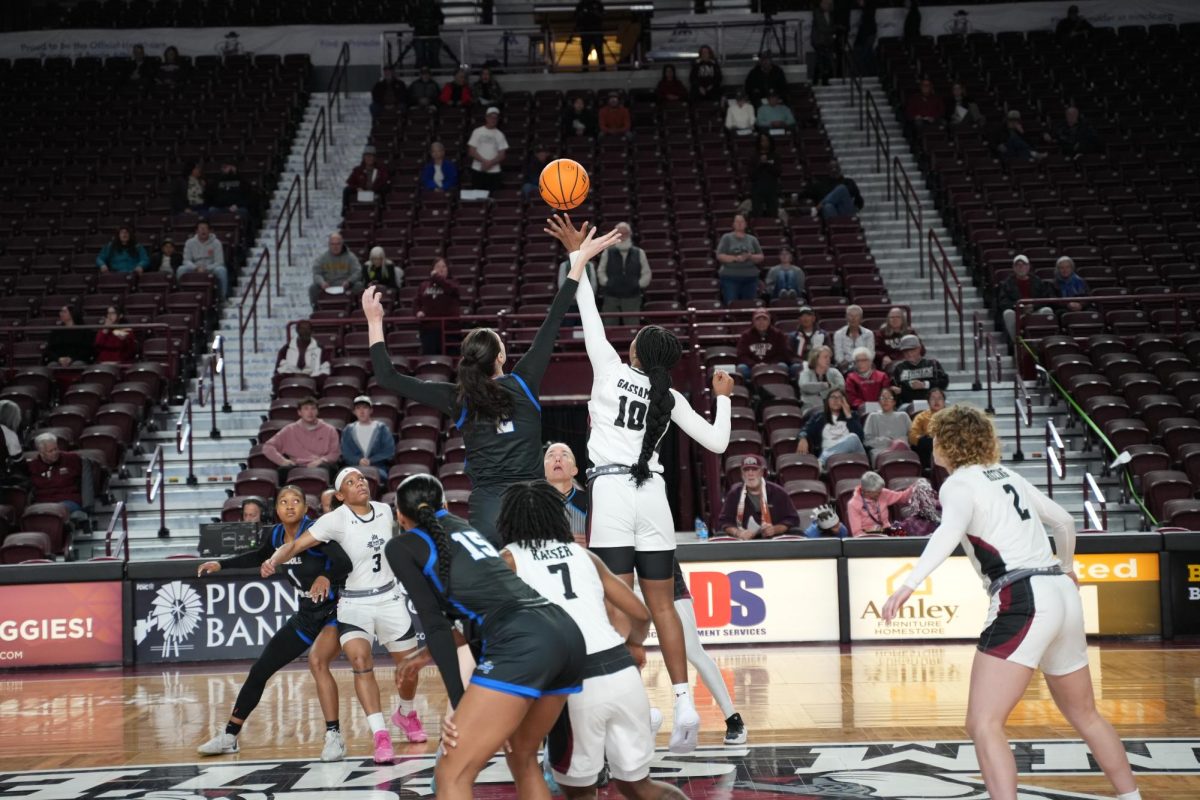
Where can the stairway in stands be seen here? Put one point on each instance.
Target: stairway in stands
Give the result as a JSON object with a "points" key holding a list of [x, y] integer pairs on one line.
{"points": [[899, 265]]}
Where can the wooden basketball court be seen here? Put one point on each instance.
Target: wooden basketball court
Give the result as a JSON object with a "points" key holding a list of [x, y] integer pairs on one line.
{"points": [[874, 721]]}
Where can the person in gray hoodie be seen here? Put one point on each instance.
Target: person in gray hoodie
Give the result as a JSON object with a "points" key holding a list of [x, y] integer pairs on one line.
{"points": [[203, 253], [336, 268]]}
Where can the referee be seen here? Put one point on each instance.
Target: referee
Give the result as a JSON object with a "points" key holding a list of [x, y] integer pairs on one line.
{"points": [[561, 469]]}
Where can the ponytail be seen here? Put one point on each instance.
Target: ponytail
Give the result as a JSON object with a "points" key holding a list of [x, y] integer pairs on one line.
{"points": [[478, 393], [658, 351], [427, 519], [420, 497]]}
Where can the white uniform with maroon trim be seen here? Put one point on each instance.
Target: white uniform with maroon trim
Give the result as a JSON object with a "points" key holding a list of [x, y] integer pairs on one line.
{"points": [[999, 519]]}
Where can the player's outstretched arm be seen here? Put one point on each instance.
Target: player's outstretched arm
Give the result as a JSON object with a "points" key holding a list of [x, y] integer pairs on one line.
{"points": [[600, 352], [713, 436], [957, 508], [288, 551]]}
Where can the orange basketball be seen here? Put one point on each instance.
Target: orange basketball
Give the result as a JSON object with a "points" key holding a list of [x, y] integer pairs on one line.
{"points": [[564, 184]]}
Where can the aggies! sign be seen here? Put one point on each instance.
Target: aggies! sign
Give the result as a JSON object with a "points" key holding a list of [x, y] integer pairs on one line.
{"points": [[50, 624]]}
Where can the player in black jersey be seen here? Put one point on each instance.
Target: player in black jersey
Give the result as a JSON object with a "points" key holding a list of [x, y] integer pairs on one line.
{"points": [[319, 573], [533, 653], [499, 414]]}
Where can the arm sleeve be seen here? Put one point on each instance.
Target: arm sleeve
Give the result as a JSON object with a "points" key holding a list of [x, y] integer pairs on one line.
{"points": [[1058, 522], [251, 558], [713, 437], [600, 352], [532, 366], [438, 394], [957, 509]]}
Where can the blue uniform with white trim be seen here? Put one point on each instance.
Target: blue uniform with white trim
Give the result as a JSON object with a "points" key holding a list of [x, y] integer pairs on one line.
{"points": [[531, 647]]}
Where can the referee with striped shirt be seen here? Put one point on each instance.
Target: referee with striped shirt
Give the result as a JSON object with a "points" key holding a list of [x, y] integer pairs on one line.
{"points": [[561, 469]]}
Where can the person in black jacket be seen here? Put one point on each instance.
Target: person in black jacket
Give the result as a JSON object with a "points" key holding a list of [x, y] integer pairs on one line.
{"points": [[578, 120], [705, 77], [1075, 137], [388, 92], [589, 26], [1020, 285], [69, 345], [915, 375], [841, 196], [764, 78], [864, 40], [228, 192], [168, 259], [426, 20], [824, 37], [845, 431], [912, 21]]}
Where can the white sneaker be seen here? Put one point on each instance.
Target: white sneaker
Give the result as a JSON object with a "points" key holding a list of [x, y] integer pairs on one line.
{"points": [[335, 746], [220, 745], [656, 720], [686, 733]]}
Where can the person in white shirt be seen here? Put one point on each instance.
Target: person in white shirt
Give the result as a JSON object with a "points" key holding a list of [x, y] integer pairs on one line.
{"points": [[303, 354], [487, 148], [850, 337], [1036, 616], [740, 116], [633, 529]]}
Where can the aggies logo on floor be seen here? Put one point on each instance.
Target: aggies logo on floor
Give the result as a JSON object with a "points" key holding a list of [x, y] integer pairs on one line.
{"points": [[845, 771]]}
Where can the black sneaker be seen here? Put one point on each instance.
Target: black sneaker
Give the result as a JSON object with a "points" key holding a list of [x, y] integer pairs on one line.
{"points": [[735, 730]]}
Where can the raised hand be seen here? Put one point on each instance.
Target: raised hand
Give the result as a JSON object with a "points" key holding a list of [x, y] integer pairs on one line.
{"points": [[561, 228], [722, 383], [593, 246], [372, 304]]}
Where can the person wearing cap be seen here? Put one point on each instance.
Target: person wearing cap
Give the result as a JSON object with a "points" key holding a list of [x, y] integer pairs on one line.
{"points": [[307, 442], [1022, 284], [824, 521], [254, 509], [487, 148], [763, 343], [456, 92], [739, 114], [614, 118], [336, 267], [757, 508], [367, 443], [424, 90], [303, 355], [763, 78], [440, 174], [915, 375], [1014, 145], [739, 254], [486, 91], [850, 337], [808, 335], [864, 383], [785, 280], [168, 259], [388, 92], [368, 181], [537, 160], [824, 37], [887, 338]]}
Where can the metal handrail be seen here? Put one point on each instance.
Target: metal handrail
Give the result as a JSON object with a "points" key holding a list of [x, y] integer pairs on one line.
{"points": [[1093, 498], [183, 438], [883, 140], [985, 343], [338, 85], [1024, 407], [1178, 301], [156, 488], [1056, 457], [912, 217], [318, 139], [940, 264], [255, 286], [852, 78], [122, 547], [290, 210]]}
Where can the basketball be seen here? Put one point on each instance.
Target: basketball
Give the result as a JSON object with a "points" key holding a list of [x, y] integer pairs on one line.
{"points": [[564, 184]]}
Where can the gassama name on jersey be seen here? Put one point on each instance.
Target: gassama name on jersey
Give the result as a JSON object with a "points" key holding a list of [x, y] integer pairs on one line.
{"points": [[640, 391]]}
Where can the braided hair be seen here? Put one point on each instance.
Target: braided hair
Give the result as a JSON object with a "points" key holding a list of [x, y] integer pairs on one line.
{"points": [[658, 351], [532, 514], [477, 391], [420, 497]]}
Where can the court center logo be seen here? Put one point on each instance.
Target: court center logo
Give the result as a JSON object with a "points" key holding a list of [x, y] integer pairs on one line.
{"points": [[175, 612]]}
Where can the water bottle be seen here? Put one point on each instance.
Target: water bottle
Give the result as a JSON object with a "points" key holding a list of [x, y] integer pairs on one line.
{"points": [[701, 530]]}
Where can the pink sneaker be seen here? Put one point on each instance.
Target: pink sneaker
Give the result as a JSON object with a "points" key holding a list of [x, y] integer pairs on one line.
{"points": [[410, 723], [384, 754]]}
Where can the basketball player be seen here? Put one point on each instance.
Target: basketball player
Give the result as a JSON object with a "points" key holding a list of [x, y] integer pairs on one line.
{"points": [[499, 415], [560, 469], [632, 528], [533, 654], [611, 716], [318, 572], [1036, 617], [372, 605]]}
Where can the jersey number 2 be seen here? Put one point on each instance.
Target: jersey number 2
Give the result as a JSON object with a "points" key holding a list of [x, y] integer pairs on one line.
{"points": [[563, 570], [474, 544], [637, 415], [1021, 512]]}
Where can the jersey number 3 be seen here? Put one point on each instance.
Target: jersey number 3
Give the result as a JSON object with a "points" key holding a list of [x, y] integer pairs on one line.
{"points": [[637, 415], [1021, 512]]}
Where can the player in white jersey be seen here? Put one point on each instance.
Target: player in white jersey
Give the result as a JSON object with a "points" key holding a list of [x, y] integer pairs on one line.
{"points": [[372, 605], [611, 716], [1036, 617], [632, 528]]}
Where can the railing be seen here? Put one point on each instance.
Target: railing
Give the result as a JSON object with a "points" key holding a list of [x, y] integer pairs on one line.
{"points": [[156, 485], [318, 140], [338, 86], [291, 210], [853, 79], [214, 365], [940, 264], [121, 549], [1177, 302], [901, 186], [248, 314], [883, 140], [183, 438], [1094, 498], [985, 343], [1056, 457], [1023, 404]]}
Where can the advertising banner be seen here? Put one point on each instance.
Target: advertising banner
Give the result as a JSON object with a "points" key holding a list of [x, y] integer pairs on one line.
{"points": [[950, 604], [1185, 592], [751, 602], [1120, 593], [52, 624]]}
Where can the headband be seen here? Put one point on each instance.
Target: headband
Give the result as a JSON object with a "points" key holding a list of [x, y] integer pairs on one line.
{"points": [[341, 477]]}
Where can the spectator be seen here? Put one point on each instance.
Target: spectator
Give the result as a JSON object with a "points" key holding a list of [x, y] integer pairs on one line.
{"points": [[762, 343], [578, 119], [887, 428], [456, 92], [773, 115], [337, 271], [589, 25], [140, 69], [1075, 137], [381, 270], [204, 253], [670, 89], [1020, 285], [229, 192], [172, 69], [912, 21], [864, 383], [850, 337], [437, 300], [824, 38], [824, 522], [168, 259], [424, 90], [368, 181], [705, 76], [254, 509], [439, 174], [534, 164], [329, 501], [864, 39], [190, 192], [785, 280], [426, 18], [487, 91], [808, 335], [123, 254], [834, 430], [367, 443], [889, 335], [560, 468], [1068, 283], [303, 355], [818, 379], [925, 108], [919, 437], [307, 442], [57, 476], [67, 345], [487, 148], [757, 508], [739, 254], [614, 118], [1072, 26], [960, 108], [763, 78], [842, 198], [764, 184], [916, 374], [623, 273], [739, 116], [114, 345], [1013, 143], [868, 507], [389, 92]]}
